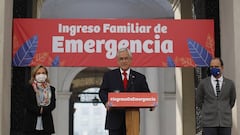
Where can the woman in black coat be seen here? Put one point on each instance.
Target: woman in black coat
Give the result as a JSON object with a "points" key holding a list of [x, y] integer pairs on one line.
{"points": [[39, 102]]}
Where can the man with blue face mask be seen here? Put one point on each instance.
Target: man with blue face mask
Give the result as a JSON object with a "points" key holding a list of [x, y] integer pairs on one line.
{"points": [[216, 97]]}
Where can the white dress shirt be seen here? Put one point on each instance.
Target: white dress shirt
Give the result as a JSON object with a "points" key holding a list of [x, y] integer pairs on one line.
{"points": [[214, 83], [127, 71]]}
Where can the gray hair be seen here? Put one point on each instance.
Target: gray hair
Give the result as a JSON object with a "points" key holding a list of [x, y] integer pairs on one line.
{"points": [[123, 50]]}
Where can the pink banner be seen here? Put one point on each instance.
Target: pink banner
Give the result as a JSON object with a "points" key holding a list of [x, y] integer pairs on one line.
{"points": [[132, 99], [94, 42]]}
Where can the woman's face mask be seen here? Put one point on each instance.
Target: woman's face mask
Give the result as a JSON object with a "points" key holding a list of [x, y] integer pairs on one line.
{"points": [[41, 77], [215, 71]]}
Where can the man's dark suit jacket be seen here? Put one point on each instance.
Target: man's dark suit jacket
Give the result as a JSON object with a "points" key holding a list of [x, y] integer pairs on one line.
{"points": [[216, 111], [33, 111], [112, 81]]}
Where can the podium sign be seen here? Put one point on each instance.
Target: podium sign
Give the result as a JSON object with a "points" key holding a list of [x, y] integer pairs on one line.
{"points": [[133, 99]]}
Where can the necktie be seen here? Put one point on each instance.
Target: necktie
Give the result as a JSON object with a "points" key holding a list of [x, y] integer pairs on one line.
{"points": [[125, 81], [217, 88]]}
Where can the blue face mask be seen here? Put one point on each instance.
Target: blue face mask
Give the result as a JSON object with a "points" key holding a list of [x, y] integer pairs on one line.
{"points": [[215, 71]]}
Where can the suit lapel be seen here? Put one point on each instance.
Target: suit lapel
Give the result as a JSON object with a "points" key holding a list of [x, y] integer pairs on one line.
{"points": [[210, 86], [223, 86]]}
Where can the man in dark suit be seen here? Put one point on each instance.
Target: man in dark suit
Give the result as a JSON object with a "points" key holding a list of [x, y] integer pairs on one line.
{"points": [[216, 97], [113, 81]]}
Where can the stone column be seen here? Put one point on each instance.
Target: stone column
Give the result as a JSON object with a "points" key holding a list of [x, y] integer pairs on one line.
{"points": [[152, 120], [61, 113], [179, 104], [185, 93], [167, 101], [185, 104], [6, 12]]}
